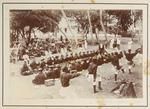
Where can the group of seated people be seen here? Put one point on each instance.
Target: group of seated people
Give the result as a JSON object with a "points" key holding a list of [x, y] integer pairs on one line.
{"points": [[51, 67], [37, 47]]}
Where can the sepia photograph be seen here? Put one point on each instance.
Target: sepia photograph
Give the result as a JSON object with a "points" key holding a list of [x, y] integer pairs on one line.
{"points": [[59, 49], [70, 54]]}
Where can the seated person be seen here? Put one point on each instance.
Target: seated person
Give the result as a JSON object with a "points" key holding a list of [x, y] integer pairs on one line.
{"points": [[25, 70], [65, 77], [40, 78], [42, 64], [85, 64], [75, 56], [49, 61], [26, 57], [34, 64], [61, 59], [78, 66]]}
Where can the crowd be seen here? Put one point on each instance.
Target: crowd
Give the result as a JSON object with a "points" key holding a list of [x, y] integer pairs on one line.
{"points": [[39, 47], [69, 64]]}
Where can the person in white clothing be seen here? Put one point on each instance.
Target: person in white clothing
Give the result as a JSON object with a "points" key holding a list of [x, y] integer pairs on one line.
{"points": [[85, 44], [118, 43], [111, 43], [26, 57], [130, 44]]}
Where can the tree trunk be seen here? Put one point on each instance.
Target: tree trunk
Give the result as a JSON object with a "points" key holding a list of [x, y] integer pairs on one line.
{"points": [[29, 36], [63, 13], [101, 23], [96, 34], [90, 26]]}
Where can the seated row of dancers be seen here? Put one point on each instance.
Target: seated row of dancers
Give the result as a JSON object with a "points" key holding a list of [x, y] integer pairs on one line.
{"points": [[75, 64]]}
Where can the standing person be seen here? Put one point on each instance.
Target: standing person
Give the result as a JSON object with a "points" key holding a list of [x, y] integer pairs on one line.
{"points": [[61, 38], [118, 43], [92, 69], [111, 43], [85, 43], [129, 56], [130, 44], [115, 43], [102, 49]]}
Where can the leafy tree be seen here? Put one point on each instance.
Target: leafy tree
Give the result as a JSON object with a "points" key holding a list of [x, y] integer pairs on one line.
{"points": [[44, 20], [124, 18], [137, 15]]}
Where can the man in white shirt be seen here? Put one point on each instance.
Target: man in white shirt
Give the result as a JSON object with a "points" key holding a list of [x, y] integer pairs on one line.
{"points": [[130, 44]]}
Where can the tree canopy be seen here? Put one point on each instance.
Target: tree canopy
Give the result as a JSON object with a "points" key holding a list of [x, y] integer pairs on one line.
{"points": [[48, 20], [44, 20], [124, 18]]}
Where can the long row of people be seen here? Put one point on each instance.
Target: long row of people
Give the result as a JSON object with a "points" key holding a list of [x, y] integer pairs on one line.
{"points": [[47, 68]]}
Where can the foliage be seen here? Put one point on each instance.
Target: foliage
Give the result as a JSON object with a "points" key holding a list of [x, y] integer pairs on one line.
{"points": [[124, 18], [44, 20], [137, 15]]}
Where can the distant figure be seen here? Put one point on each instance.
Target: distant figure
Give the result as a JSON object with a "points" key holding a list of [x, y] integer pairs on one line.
{"points": [[111, 43], [65, 30], [130, 44], [115, 43], [85, 44], [61, 38], [102, 49], [118, 43]]}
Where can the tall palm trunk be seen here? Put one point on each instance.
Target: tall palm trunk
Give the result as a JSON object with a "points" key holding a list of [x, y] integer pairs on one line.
{"points": [[70, 29], [90, 25], [101, 23]]}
